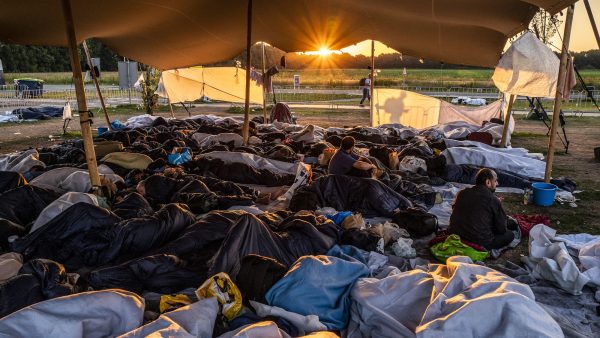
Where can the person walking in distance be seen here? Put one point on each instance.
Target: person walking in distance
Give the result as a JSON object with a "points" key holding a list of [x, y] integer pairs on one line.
{"points": [[365, 84]]}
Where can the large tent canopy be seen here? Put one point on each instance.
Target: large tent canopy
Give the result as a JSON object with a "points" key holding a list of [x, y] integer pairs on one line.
{"points": [[182, 33]]}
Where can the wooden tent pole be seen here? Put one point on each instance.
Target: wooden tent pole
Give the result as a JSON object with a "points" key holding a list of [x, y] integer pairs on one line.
{"points": [[84, 117], [504, 140], [372, 81], [91, 66], [558, 97], [264, 70], [592, 21], [246, 127]]}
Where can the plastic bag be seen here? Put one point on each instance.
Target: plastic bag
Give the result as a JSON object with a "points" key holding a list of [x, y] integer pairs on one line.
{"points": [[402, 247], [171, 302], [226, 292], [180, 158]]}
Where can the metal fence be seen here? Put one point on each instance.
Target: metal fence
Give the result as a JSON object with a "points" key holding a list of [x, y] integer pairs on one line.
{"points": [[315, 96]]}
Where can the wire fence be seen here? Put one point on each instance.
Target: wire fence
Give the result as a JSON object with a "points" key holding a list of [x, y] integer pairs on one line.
{"points": [[324, 97]]}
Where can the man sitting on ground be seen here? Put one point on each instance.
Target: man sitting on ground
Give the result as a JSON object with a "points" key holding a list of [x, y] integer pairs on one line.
{"points": [[478, 216], [345, 162]]}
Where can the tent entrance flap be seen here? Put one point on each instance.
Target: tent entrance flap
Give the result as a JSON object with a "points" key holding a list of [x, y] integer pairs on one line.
{"points": [[217, 83]]}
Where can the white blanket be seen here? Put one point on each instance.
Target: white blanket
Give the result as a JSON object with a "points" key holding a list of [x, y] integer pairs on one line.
{"points": [[445, 301], [269, 329], [21, 162], [140, 121], [61, 204], [206, 140], [549, 259], [194, 320], [72, 179], [94, 314], [490, 158], [254, 161]]}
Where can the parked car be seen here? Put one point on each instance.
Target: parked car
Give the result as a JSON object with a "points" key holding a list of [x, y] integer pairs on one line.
{"points": [[29, 87]]}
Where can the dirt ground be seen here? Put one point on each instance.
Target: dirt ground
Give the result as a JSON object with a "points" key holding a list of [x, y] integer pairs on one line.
{"points": [[578, 164]]}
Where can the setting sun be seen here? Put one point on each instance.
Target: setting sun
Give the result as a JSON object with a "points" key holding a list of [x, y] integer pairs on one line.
{"points": [[323, 51]]}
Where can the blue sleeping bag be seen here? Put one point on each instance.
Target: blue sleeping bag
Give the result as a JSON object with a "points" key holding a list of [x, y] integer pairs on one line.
{"points": [[321, 285]]}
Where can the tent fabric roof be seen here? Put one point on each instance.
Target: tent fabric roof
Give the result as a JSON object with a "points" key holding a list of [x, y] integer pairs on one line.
{"points": [[182, 33]]}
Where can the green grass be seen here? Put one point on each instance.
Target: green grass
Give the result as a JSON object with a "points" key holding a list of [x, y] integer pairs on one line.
{"points": [[108, 78], [346, 77]]}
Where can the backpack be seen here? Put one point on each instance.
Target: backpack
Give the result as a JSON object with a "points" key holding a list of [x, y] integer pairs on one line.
{"points": [[362, 82], [417, 222]]}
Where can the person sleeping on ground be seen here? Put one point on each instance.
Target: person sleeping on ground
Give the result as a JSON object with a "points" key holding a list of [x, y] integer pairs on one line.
{"points": [[478, 215], [346, 162]]}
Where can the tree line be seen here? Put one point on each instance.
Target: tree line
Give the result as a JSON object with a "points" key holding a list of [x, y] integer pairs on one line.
{"points": [[27, 59]]}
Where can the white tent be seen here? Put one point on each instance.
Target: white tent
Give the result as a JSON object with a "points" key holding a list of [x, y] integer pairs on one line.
{"points": [[216, 83]]}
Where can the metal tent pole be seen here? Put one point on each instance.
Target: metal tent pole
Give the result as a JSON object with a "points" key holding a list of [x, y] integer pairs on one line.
{"points": [[84, 116], [558, 97], [246, 127], [91, 66]]}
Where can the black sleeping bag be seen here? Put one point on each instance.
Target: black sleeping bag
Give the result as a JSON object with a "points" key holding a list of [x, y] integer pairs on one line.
{"points": [[37, 280], [131, 206], [69, 238], [257, 275], [10, 180], [38, 113], [158, 273], [294, 237], [87, 235], [239, 173], [24, 204], [363, 195]]}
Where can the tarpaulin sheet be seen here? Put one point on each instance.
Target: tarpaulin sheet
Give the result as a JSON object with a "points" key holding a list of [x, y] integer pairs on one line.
{"points": [[421, 111], [217, 83], [191, 32], [527, 68]]}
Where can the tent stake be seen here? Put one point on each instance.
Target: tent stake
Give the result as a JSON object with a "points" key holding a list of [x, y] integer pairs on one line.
{"points": [[84, 118], [372, 81], [246, 127], [558, 97], [91, 66], [263, 86], [504, 140], [592, 21]]}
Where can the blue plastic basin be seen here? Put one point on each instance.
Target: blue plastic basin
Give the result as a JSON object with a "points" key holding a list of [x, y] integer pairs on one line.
{"points": [[543, 194]]}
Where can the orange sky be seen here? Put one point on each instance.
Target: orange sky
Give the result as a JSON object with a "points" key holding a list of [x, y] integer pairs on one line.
{"points": [[582, 36]]}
